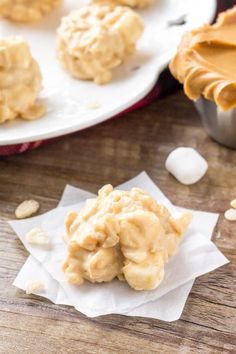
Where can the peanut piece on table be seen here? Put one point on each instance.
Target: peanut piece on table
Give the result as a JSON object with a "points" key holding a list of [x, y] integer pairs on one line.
{"points": [[38, 237], [233, 203], [230, 214], [26, 209]]}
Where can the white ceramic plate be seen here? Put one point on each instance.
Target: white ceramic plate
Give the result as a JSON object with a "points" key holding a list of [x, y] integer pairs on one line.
{"points": [[68, 101]]}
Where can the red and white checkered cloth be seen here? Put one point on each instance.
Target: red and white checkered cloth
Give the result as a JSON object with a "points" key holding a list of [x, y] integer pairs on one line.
{"points": [[165, 85]]}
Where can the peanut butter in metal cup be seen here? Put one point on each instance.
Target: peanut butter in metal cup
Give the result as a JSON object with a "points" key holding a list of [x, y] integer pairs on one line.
{"points": [[206, 65]]}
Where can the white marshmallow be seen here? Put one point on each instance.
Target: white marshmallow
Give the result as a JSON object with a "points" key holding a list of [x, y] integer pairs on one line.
{"points": [[187, 165]]}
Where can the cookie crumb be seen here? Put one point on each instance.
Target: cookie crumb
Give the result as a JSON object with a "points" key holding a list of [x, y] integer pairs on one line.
{"points": [[33, 286], [93, 105]]}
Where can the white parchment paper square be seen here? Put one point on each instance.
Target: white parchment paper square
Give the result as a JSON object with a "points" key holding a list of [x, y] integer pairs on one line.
{"points": [[197, 255]]}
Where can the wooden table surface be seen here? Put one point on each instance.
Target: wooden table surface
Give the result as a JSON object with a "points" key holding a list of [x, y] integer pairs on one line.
{"points": [[113, 152]]}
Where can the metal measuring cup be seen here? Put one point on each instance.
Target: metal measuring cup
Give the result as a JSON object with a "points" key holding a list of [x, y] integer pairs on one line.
{"points": [[221, 126]]}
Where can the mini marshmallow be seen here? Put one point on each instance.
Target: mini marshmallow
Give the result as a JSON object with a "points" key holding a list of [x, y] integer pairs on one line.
{"points": [[187, 165]]}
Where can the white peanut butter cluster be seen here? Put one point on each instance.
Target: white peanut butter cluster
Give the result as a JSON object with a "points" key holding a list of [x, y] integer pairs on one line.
{"points": [[97, 38], [20, 81], [131, 3], [123, 234], [26, 10]]}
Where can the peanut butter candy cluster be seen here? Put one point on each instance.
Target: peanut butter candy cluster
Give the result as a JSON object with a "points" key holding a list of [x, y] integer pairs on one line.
{"points": [[26, 10], [20, 81], [97, 38], [123, 234]]}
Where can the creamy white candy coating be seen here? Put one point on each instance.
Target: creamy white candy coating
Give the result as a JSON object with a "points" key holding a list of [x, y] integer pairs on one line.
{"points": [[186, 165]]}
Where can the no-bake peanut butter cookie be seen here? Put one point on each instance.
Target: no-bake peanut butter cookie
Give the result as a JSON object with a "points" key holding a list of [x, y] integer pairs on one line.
{"points": [[97, 38], [123, 234], [20, 81], [26, 10]]}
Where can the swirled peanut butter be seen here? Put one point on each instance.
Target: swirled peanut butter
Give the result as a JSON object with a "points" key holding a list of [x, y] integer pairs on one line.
{"points": [[206, 61]]}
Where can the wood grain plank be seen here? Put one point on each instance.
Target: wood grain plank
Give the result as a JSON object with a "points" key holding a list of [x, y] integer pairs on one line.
{"points": [[95, 335]]}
